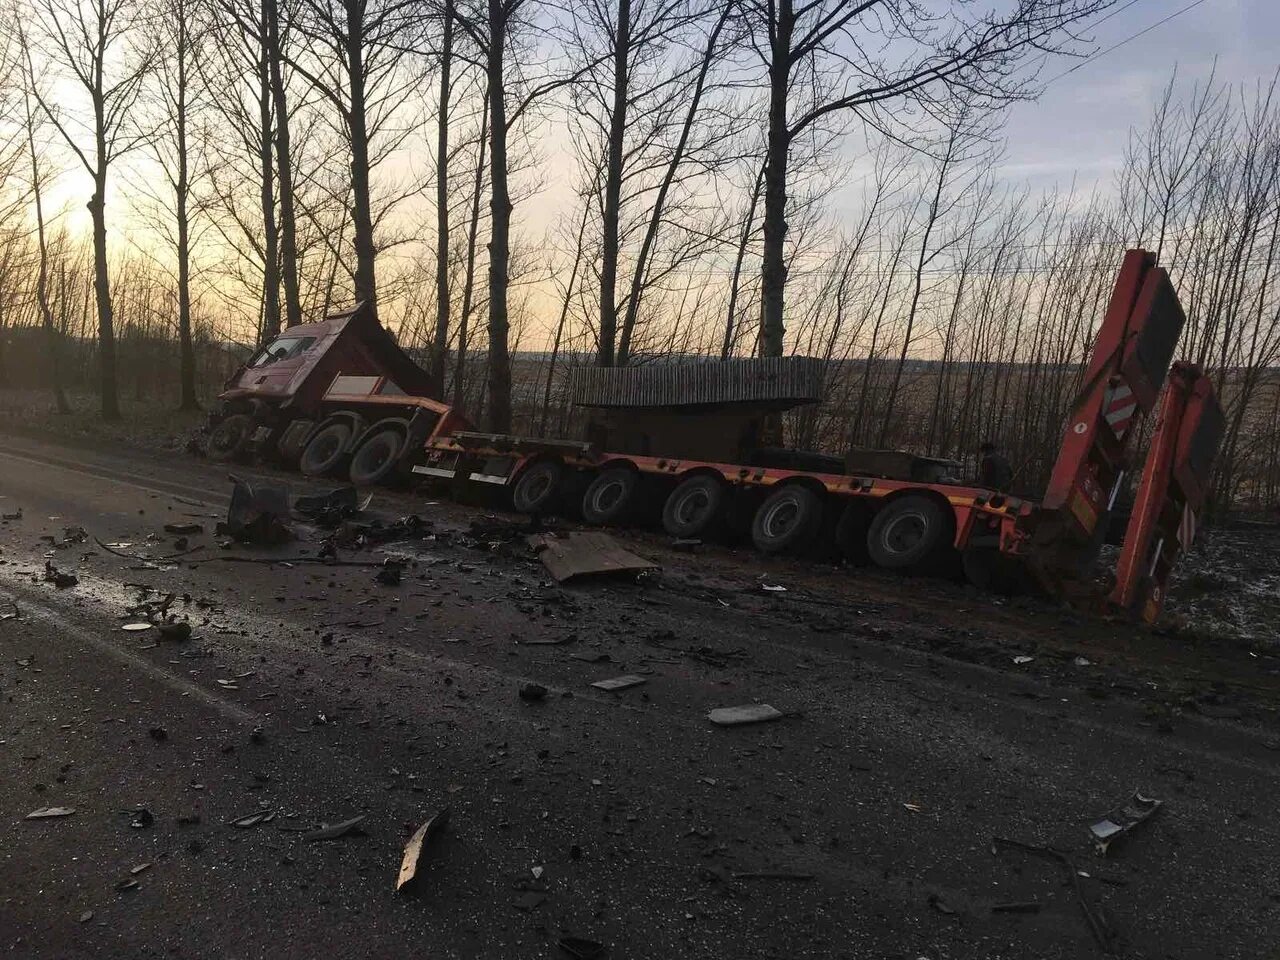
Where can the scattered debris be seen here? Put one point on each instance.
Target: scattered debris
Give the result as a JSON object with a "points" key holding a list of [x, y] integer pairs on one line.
{"points": [[141, 818], [914, 807], [330, 509], [773, 588], [184, 529], [1022, 659], [86, 916], [413, 849], [50, 813], [1102, 933], [258, 512], [390, 573], [1021, 906], [334, 831], [140, 868], [59, 578], [14, 614], [620, 683], [1120, 821], [135, 627], [250, 820], [129, 884], [771, 875], [532, 691], [529, 902], [936, 901], [581, 949], [586, 553], [16, 515], [737, 716], [178, 631], [1082, 662]]}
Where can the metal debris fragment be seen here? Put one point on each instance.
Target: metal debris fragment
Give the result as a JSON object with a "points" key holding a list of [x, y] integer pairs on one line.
{"points": [[620, 683], [586, 553], [750, 713], [413, 849], [50, 813], [334, 831], [1120, 821]]}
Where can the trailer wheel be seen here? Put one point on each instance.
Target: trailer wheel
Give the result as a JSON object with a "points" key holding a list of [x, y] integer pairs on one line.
{"points": [[376, 458], [908, 533], [325, 450], [851, 531], [695, 507], [612, 497], [230, 438], [787, 520], [538, 487]]}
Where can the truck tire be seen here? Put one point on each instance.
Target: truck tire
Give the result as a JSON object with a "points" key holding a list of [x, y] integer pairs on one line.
{"points": [[538, 488], [612, 497], [695, 508], [376, 457], [787, 521], [230, 438], [909, 533], [325, 450], [851, 531]]}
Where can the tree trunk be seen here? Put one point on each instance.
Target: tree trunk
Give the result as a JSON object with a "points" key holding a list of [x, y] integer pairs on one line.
{"points": [[469, 280], [52, 339], [440, 349], [500, 227], [187, 356], [773, 274], [270, 241], [613, 188], [361, 209], [107, 384], [284, 163]]}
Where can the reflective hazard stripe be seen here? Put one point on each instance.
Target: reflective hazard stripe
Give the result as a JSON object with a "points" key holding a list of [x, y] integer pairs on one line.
{"points": [[1118, 407]]}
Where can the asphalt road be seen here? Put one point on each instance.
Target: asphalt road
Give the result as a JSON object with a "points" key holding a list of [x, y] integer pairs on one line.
{"points": [[860, 825]]}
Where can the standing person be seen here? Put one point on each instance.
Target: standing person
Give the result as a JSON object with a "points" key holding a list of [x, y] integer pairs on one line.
{"points": [[994, 470]]}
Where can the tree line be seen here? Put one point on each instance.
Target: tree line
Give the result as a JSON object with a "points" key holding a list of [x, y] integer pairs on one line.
{"points": [[247, 164]]}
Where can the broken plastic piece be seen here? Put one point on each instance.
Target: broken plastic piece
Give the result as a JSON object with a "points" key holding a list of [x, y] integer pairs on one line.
{"points": [[1122, 820], [750, 713], [413, 849]]}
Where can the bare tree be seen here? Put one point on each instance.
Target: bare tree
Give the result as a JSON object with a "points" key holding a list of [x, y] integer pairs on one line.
{"points": [[829, 59], [103, 48]]}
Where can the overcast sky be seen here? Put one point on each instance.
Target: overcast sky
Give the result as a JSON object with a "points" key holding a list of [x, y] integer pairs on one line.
{"points": [[1081, 123]]}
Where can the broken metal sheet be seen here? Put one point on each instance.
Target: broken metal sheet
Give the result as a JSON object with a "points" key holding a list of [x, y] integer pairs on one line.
{"points": [[1122, 820], [586, 553], [50, 813], [620, 683], [750, 713], [413, 849]]}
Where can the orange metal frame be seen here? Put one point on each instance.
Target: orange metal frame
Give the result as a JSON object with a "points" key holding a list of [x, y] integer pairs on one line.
{"points": [[1172, 493]]}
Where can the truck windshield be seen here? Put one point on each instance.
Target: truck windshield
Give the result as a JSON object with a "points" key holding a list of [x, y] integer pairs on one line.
{"points": [[286, 348]]}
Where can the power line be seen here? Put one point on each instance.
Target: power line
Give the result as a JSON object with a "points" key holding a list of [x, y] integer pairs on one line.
{"points": [[1116, 46]]}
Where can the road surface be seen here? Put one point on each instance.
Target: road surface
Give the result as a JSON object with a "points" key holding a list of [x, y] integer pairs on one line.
{"points": [[860, 825]]}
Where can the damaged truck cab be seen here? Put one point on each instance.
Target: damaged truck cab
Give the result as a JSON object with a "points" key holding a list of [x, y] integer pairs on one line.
{"points": [[335, 395]]}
